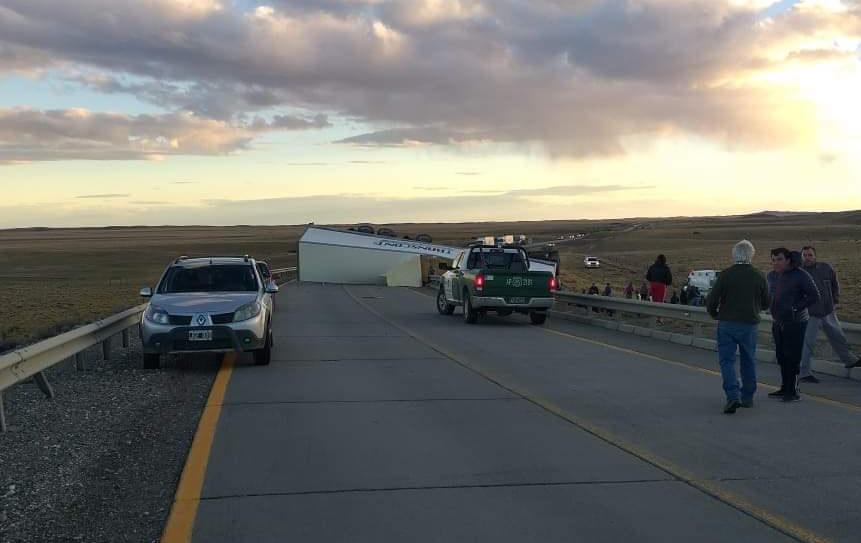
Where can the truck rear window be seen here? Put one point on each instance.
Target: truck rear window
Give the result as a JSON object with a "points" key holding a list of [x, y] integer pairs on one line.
{"points": [[498, 260], [216, 278]]}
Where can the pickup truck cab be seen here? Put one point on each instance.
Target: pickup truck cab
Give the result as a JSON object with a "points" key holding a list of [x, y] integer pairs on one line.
{"points": [[487, 278]]}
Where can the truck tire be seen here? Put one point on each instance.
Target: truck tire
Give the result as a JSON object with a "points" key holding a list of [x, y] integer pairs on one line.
{"points": [[470, 315], [263, 356], [151, 361], [442, 304], [537, 317]]}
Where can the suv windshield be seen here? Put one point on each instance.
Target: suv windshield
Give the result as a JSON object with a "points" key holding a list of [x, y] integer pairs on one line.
{"points": [[212, 278]]}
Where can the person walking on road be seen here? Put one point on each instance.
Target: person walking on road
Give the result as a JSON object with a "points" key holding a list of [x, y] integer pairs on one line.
{"points": [[823, 315], [792, 292], [735, 301], [659, 277], [593, 290]]}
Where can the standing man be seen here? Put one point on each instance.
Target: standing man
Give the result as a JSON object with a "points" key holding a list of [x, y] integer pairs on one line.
{"points": [[823, 315], [659, 278], [736, 300], [792, 292]]}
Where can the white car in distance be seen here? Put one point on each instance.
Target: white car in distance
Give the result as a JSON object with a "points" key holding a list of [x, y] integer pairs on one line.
{"points": [[591, 262]]}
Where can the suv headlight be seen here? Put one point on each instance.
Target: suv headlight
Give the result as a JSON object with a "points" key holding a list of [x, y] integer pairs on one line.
{"points": [[157, 315], [247, 311]]}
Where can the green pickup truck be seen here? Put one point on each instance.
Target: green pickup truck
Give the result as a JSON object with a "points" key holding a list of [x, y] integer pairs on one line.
{"points": [[486, 278]]}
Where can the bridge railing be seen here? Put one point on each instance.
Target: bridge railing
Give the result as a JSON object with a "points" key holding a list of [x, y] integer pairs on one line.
{"points": [[650, 319], [30, 362]]}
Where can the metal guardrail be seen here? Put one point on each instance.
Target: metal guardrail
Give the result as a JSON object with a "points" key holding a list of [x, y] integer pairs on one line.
{"points": [[31, 361], [615, 308], [687, 313]]}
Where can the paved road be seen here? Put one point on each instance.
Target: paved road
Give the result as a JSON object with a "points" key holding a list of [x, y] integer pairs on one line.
{"points": [[380, 420]]}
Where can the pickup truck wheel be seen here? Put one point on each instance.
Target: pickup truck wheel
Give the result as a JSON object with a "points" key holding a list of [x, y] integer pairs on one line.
{"points": [[537, 317], [151, 361], [470, 315], [442, 304], [263, 356]]}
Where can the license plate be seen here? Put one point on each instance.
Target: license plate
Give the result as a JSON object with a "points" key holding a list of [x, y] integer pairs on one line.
{"points": [[517, 300], [200, 335]]}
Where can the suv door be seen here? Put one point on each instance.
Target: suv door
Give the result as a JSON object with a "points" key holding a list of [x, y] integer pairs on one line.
{"points": [[457, 277]]}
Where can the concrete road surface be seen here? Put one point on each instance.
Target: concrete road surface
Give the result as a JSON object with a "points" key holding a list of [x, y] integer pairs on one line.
{"points": [[380, 420]]}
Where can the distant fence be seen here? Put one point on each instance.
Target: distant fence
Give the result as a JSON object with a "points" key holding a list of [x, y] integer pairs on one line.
{"points": [[612, 313], [30, 362]]}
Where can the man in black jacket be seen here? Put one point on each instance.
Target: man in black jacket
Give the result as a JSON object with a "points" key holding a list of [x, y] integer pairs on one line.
{"points": [[659, 277], [792, 291], [824, 315]]}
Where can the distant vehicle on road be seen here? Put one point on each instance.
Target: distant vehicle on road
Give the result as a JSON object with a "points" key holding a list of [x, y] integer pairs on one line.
{"points": [[698, 286], [487, 278], [211, 304], [591, 262]]}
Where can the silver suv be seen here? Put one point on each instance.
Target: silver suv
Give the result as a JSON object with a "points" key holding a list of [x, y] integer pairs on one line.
{"points": [[211, 304]]}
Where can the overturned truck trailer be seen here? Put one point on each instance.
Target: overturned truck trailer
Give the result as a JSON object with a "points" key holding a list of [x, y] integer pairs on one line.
{"points": [[331, 255]]}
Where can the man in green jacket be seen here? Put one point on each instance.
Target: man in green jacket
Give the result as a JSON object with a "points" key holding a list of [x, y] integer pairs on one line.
{"points": [[736, 300]]}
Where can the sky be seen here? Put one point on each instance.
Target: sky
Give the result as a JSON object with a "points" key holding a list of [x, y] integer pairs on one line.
{"points": [[126, 112]]}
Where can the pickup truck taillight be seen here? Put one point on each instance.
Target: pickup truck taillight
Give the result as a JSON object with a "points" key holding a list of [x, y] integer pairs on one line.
{"points": [[554, 284], [479, 283]]}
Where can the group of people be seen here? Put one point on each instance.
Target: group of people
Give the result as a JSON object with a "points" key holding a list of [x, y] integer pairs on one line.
{"points": [[802, 295]]}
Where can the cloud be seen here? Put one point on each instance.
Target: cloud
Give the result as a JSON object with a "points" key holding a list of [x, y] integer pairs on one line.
{"points": [[28, 135], [579, 78], [101, 196]]}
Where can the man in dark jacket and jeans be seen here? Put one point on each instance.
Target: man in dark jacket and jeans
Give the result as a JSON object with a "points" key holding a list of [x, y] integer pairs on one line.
{"points": [[792, 292], [823, 315], [736, 300]]}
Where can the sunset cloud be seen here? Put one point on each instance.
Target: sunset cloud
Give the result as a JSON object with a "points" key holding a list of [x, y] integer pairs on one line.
{"points": [[579, 79]]}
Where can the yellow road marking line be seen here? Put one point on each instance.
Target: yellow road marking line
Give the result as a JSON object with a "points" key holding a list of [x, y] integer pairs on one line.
{"points": [[180, 523], [710, 488]]}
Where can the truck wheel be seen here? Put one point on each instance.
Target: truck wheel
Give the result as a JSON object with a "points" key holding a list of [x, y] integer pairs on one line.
{"points": [[470, 315], [442, 304], [151, 361], [263, 356], [537, 317]]}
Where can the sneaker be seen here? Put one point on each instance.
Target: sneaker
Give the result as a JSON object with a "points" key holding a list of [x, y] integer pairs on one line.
{"points": [[731, 406], [809, 379], [779, 393], [747, 404], [857, 364], [792, 397]]}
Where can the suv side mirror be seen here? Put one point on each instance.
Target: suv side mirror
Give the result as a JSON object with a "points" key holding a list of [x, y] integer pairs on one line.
{"points": [[444, 266], [146, 292], [271, 288]]}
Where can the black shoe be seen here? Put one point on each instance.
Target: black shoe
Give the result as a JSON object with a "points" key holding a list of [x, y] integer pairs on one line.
{"points": [[779, 393], [792, 397], [857, 364], [747, 404], [731, 406], [809, 379]]}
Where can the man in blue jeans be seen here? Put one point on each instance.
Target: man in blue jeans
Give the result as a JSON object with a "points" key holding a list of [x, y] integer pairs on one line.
{"points": [[736, 300]]}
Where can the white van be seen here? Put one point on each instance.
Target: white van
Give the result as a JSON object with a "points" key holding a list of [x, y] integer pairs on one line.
{"points": [[704, 280]]}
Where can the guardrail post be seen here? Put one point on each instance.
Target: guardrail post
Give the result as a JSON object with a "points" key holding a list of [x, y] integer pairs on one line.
{"points": [[125, 338], [43, 384], [698, 330], [3, 426], [80, 362], [106, 349]]}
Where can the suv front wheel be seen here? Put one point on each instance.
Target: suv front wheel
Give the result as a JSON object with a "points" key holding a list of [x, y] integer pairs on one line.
{"points": [[263, 356], [151, 361]]}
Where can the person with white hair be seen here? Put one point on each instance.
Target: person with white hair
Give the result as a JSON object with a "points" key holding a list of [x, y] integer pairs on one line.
{"points": [[736, 300]]}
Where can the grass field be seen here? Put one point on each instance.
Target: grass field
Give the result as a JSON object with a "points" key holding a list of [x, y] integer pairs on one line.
{"points": [[52, 280]]}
